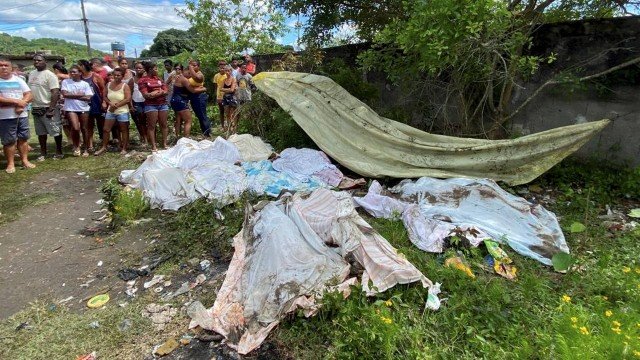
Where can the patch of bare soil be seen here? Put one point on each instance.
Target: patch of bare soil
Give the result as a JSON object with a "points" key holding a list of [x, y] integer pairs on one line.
{"points": [[48, 252]]}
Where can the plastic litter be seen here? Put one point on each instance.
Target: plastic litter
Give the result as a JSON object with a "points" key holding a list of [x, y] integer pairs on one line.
{"points": [[125, 325], [98, 301], [94, 324], [433, 302], [156, 280], [204, 265], [167, 347], [459, 264]]}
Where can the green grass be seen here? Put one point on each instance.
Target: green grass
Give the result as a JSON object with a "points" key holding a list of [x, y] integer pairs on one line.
{"points": [[56, 333]]}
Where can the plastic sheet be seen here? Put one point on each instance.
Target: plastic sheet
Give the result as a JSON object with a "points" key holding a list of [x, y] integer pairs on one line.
{"points": [[350, 132]]}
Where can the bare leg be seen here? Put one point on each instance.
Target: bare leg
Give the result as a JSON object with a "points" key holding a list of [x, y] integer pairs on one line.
{"points": [[233, 120], [187, 118], [74, 128], [141, 125], [178, 123], [124, 136], [23, 148], [42, 139], [221, 111], [164, 128], [108, 124], [87, 133], [152, 118], [9, 154]]}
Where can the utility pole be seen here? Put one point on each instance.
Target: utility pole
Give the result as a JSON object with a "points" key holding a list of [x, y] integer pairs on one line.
{"points": [[86, 28]]}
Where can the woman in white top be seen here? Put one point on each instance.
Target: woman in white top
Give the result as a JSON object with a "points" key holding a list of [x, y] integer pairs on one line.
{"points": [[117, 99], [77, 94]]}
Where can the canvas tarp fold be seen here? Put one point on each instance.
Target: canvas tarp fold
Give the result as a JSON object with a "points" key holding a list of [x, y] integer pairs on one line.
{"points": [[363, 141]]}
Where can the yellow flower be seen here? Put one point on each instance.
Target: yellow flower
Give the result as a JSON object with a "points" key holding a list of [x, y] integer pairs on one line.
{"points": [[636, 353], [637, 270], [608, 313], [616, 330], [566, 298], [626, 269], [388, 302], [386, 320], [616, 324], [574, 326], [574, 319], [605, 298], [583, 330]]}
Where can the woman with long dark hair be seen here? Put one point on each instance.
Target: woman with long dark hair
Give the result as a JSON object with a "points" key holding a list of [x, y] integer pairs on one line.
{"points": [[138, 104], [96, 116], [154, 91], [182, 90]]}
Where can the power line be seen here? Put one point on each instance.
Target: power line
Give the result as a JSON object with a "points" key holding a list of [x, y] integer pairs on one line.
{"points": [[21, 6]]}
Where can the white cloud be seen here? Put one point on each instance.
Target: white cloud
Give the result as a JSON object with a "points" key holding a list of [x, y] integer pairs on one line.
{"points": [[109, 21]]}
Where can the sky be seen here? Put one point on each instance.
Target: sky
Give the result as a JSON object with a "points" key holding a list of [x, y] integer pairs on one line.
{"points": [[134, 22]]}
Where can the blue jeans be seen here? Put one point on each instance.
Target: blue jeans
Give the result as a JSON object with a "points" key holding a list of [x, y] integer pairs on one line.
{"points": [[199, 106], [154, 108]]}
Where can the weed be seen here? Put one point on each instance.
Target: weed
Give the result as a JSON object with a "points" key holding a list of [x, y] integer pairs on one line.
{"points": [[130, 205]]}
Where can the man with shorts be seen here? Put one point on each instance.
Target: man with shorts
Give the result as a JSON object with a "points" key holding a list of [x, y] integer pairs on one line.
{"points": [[15, 95], [46, 115]]}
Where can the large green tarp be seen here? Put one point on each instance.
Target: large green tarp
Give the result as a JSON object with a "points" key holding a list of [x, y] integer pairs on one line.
{"points": [[371, 145]]}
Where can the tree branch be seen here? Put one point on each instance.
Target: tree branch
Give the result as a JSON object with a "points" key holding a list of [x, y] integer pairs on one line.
{"points": [[582, 79]]}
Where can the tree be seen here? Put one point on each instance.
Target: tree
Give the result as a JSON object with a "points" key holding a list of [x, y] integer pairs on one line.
{"points": [[169, 43], [226, 28], [470, 54]]}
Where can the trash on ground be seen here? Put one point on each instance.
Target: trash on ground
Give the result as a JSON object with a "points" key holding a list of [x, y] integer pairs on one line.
{"points": [[433, 302], [156, 280], [65, 300], [167, 347], [204, 265], [94, 324], [355, 136], [183, 289], [292, 250], [160, 315], [457, 263], [98, 301]]}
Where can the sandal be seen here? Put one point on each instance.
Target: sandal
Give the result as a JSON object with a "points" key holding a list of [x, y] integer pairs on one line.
{"points": [[76, 152], [10, 171]]}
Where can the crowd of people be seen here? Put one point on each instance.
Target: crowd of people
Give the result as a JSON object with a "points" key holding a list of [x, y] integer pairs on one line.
{"points": [[96, 95]]}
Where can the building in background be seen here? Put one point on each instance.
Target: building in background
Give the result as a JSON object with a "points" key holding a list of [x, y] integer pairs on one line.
{"points": [[117, 49]]}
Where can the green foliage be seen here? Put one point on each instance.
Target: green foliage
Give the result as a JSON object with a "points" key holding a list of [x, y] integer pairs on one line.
{"points": [[228, 28], [169, 43], [196, 230], [263, 117], [19, 45], [125, 204], [351, 80]]}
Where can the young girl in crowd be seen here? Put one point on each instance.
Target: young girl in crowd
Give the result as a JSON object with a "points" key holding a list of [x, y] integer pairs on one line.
{"points": [[77, 95]]}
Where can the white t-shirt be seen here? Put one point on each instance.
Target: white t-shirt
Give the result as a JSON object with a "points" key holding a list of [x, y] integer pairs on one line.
{"points": [[41, 84], [12, 88], [76, 88]]}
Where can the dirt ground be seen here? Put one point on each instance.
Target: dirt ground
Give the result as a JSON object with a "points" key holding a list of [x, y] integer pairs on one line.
{"points": [[48, 254]]}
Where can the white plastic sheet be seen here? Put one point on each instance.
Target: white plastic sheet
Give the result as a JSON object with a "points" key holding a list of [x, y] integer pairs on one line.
{"points": [[306, 163], [440, 206], [251, 148], [282, 262]]}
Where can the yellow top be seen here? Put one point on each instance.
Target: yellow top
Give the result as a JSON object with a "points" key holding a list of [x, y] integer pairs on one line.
{"points": [[219, 79], [116, 96]]}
